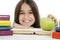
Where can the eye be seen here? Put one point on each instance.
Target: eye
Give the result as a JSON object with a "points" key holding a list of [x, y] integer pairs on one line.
{"points": [[30, 12], [21, 13]]}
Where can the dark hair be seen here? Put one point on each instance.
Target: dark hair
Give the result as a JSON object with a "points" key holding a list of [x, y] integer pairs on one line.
{"points": [[34, 8]]}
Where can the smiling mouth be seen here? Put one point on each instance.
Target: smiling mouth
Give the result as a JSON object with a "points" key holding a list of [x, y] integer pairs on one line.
{"points": [[26, 21]]}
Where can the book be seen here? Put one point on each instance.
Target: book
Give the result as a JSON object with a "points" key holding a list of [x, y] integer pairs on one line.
{"points": [[35, 31], [4, 17], [5, 28], [56, 35], [5, 23], [57, 28], [5, 33]]}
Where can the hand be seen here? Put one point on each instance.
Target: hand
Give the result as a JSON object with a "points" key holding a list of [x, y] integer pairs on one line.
{"points": [[15, 25], [53, 18]]}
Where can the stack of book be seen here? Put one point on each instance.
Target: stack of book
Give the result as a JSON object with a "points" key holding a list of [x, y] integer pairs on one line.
{"points": [[5, 25], [56, 33]]}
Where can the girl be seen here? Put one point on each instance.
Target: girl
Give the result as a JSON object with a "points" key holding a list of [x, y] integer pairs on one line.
{"points": [[26, 15]]}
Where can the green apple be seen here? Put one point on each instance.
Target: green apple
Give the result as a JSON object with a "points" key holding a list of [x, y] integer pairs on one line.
{"points": [[47, 24]]}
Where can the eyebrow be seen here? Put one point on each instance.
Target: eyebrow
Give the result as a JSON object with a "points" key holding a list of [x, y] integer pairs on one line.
{"points": [[30, 10], [21, 10]]}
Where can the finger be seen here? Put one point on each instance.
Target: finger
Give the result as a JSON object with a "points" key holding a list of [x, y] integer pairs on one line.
{"points": [[56, 22], [50, 16]]}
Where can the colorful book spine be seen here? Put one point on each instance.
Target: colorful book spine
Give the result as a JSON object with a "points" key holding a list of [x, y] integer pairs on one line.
{"points": [[57, 29], [5, 33], [5, 28], [4, 17], [56, 35], [5, 25]]}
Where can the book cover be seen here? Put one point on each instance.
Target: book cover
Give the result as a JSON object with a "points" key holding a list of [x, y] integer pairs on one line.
{"points": [[5, 28], [6, 33], [5, 23], [4, 17]]}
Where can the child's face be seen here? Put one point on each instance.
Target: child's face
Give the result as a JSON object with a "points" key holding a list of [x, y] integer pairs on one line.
{"points": [[26, 17]]}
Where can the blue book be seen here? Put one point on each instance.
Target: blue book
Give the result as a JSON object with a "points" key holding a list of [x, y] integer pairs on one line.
{"points": [[57, 28], [5, 28]]}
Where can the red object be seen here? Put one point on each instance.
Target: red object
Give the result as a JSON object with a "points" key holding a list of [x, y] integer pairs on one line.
{"points": [[5, 33], [56, 35], [4, 17]]}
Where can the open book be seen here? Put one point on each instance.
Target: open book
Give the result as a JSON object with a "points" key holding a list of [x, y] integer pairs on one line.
{"points": [[33, 31]]}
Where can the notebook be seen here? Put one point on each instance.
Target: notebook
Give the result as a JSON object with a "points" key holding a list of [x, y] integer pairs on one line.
{"points": [[32, 31]]}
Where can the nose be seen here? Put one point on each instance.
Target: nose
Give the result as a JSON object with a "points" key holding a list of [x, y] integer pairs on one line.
{"points": [[26, 16]]}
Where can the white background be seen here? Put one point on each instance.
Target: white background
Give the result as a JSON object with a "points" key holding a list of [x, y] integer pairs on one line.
{"points": [[45, 7]]}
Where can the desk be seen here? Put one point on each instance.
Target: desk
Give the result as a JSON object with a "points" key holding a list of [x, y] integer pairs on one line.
{"points": [[26, 37]]}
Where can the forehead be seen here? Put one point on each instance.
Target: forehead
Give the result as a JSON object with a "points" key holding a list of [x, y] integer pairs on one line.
{"points": [[25, 6]]}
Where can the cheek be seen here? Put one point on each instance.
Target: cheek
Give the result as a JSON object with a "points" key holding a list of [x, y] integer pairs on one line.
{"points": [[33, 18], [20, 17]]}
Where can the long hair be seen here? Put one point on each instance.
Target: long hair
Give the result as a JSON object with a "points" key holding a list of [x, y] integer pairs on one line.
{"points": [[34, 8]]}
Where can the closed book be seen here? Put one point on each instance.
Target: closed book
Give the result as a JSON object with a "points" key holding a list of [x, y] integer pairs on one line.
{"points": [[56, 35], [5, 28], [4, 17], [57, 29], [5, 23], [5, 33]]}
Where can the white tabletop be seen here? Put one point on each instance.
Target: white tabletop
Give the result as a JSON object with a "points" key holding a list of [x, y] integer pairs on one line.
{"points": [[26, 37]]}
